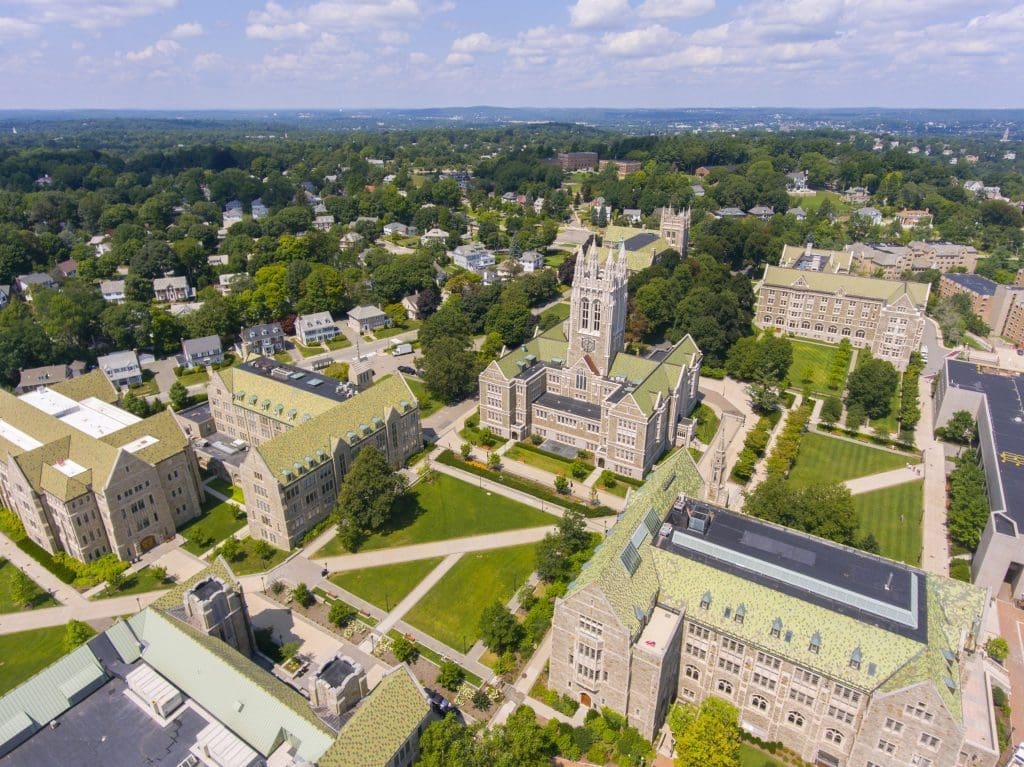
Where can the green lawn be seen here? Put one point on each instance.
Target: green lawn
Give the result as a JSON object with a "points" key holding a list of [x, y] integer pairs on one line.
{"points": [[559, 311], [893, 516], [27, 653], [450, 612], [248, 563], [148, 387], [284, 357], [309, 351], [39, 597], [217, 523], [395, 330], [338, 342], [447, 508], [707, 423], [388, 585], [829, 458], [541, 461], [428, 405], [226, 488], [891, 422], [753, 757], [811, 365], [812, 203], [136, 583], [194, 376]]}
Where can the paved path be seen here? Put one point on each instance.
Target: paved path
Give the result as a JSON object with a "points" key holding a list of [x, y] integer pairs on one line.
{"points": [[60, 591], [935, 541], [883, 479], [84, 611], [1011, 628], [398, 611]]}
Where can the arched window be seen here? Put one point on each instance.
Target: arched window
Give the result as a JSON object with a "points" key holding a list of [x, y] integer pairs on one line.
{"points": [[846, 331], [860, 334], [692, 673], [725, 686], [818, 327], [795, 718], [805, 325], [832, 330], [834, 736], [597, 316], [779, 320], [584, 313], [759, 702]]}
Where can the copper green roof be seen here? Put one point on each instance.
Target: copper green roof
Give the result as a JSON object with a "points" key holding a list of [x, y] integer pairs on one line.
{"points": [[94, 384], [544, 348], [350, 421], [630, 595], [162, 426], [642, 257], [380, 724], [853, 285]]}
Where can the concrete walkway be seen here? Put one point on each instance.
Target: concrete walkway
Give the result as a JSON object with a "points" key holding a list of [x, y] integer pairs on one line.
{"points": [[935, 540], [883, 479], [398, 611], [85, 610], [59, 590]]}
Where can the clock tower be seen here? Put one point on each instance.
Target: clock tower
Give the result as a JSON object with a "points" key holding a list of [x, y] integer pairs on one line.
{"points": [[597, 318]]}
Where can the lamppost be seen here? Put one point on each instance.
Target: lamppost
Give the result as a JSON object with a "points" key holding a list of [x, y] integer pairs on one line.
{"points": [[463, 644]]}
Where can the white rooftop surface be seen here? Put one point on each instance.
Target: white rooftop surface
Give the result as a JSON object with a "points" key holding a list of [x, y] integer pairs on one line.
{"points": [[150, 686], [658, 631], [91, 416], [68, 468], [138, 444], [224, 747], [18, 437]]}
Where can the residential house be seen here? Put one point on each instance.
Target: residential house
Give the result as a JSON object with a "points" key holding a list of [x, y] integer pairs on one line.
{"points": [[26, 283], [259, 210], [974, 186], [66, 270], [729, 213], [37, 378], [366, 319], [44, 180], [874, 215], [199, 352], [171, 290], [798, 213], [573, 161], [697, 189], [315, 328], [702, 172], [398, 228], [217, 259], [5, 295], [538, 205], [473, 256], [532, 261], [232, 214], [351, 238], [434, 235], [910, 218], [632, 215], [856, 194], [797, 182], [510, 197], [121, 368], [225, 282], [323, 223], [113, 291], [100, 244], [411, 304], [763, 212], [263, 340]]}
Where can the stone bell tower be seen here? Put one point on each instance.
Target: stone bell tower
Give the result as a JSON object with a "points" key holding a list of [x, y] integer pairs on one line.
{"points": [[597, 318]]}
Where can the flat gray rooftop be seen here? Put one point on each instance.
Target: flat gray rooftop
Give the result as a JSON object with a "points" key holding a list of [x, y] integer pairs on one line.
{"points": [[108, 729]]}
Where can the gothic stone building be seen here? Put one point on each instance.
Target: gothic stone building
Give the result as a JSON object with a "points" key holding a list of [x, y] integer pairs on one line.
{"points": [[845, 657], [575, 385], [304, 431]]}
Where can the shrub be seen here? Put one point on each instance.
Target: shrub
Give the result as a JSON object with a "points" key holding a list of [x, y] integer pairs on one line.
{"points": [[960, 569], [341, 613], [466, 449], [579, 469], [561, 484], [404, 650], [480, 700], [608, 479], [76, 634], [262, 549], [997, 649], [451, 676], [276, 588], [536, 439], [303, 595], [999, 697], [290, 649]]}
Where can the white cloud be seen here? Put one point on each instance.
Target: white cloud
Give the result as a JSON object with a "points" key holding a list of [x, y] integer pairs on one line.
{"points": [[189, 29], [458, 59], [278, 31], [393, 37], [204, 61], [275, 22], [478, 42], [418, 57], [86, 14], [15, 28], [599, 13], [159, 48], [638, 42], [675, 9]]}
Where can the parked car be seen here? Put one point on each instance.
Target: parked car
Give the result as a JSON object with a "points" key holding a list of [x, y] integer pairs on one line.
{"points": [[405, 369]]}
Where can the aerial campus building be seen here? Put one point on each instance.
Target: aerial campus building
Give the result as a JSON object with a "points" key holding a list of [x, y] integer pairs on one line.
{"points": [[303, 431], [88, 478], [994, 397], [575, 386], [844, 657], [161, 688], [811, 294]]}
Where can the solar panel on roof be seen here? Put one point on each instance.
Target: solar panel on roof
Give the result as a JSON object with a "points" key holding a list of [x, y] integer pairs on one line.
{"points": [[630, 558], [653, 522]]}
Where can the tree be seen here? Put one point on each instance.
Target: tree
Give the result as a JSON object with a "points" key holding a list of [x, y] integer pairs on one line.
{"points": [[499, 630], [764, 396], [22, 590], [822, 509], [961, 428], [302, 595], [451, 675], [262, 549], [448, 742], [341, 613], [968, 501], [872, 386], [449, 368], [231, 549], [561, 484], [403, 649], [368, 491], [831, 410], [466, 450], [180, 398], [493, 461], [997, 649], [711, 739], [76, 634]]}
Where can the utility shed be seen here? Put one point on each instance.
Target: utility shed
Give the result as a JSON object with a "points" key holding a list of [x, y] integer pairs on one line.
{"points": [[155, 691]]}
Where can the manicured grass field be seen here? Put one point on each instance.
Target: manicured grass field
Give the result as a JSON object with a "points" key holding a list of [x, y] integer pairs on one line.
{"points": [[811, 365], [707, 423], [559, 311], [194, 376], [226, 488], [39, 597], [893, 516], [309, 351], [824, 458], [27, 653], [217, 523], [812, 203], [540, 461], [136, 583], [428, 405], [147, 388], [387, 585], [248, 562], [395, 330], [447, 508], [752, 757], [284, 357], [338, 342], [450, 612]]}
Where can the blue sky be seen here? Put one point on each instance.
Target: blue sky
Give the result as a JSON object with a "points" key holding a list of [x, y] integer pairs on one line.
{"points": [[178, 54]]}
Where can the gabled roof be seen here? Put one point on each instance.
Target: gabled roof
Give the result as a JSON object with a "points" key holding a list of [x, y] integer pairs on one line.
{"points": [[93, 384], [861, 287], [200, 345]]}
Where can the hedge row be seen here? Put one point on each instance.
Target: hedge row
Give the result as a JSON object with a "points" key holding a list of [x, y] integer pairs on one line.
{"points": [[788, 443], [753, 448]]}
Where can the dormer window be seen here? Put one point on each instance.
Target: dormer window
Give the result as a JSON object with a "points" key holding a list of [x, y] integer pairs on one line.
{"points": [[776, 629], [855, 659], [741, 613], [815, 645], [705, 601]]}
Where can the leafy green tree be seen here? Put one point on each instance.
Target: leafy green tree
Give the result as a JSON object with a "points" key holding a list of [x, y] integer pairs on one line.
{"points": [[451, 675], [231, 549], [22, 590], [403, 649], [76, 634], [961, 428], [997, 649], [712, 739], [499, 630], [179, 396], [821, 509], [449, 368], [369, 491], [262, 549], [341, 613], [968, 501], [302, 595], [831, 410], [448, 742], [872, 386]]}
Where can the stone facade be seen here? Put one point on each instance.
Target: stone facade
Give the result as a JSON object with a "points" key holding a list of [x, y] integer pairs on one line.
{"points": [[675, 229]]}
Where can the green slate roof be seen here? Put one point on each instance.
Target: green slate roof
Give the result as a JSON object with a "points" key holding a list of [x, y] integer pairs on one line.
{"points": [[162, 426], [262, 710], [380, 724], [94, 384], [636, 259], [853, 285], [258, 388], [337, 423], [546, 348], [631, 596]]}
